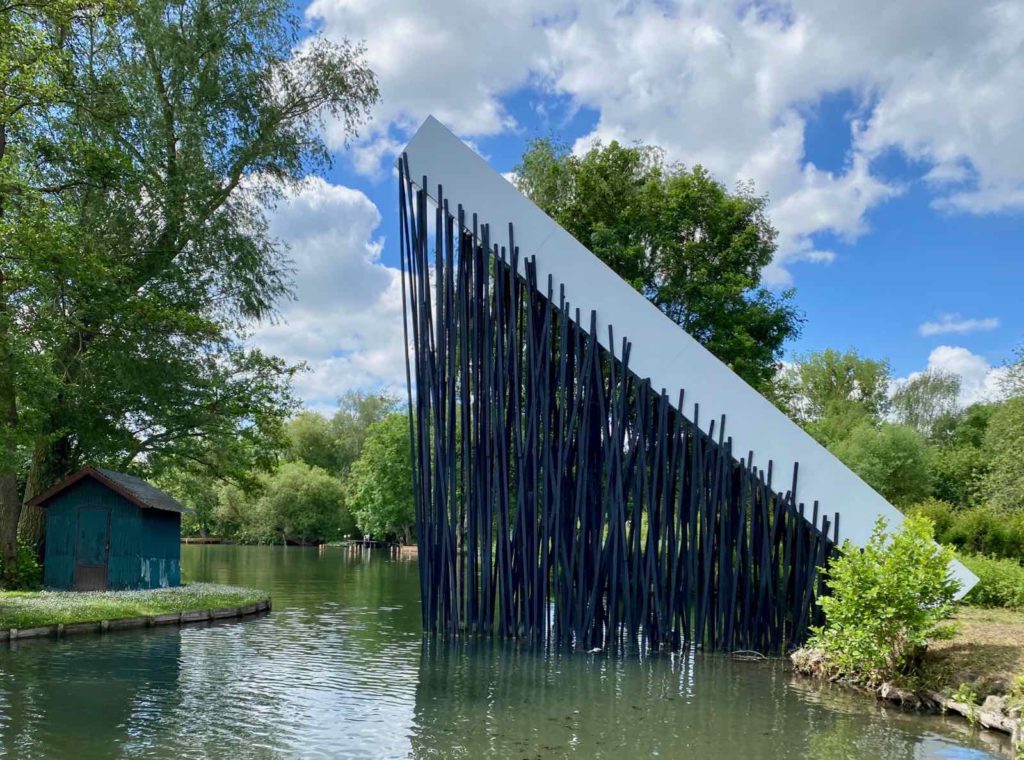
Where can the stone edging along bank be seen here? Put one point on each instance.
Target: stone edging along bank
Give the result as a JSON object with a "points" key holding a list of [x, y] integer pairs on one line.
{"points": [[142, 621], [989, 715]]}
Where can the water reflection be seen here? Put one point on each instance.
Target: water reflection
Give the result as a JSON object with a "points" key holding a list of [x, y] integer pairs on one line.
{"points": [[502, 701], [73, 698], [339, 669]]}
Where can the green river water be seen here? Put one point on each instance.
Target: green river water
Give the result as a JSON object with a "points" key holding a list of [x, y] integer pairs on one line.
{"points": [[340, 669]]}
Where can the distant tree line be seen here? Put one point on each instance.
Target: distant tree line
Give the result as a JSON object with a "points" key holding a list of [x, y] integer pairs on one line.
{"points": [[961, 467], [347, 475]]}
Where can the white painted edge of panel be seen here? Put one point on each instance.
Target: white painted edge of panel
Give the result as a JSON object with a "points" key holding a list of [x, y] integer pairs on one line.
{"points": [[661, 350]]}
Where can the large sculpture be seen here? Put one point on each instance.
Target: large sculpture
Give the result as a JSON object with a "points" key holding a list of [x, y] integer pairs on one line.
{"points": [[586, 472]]}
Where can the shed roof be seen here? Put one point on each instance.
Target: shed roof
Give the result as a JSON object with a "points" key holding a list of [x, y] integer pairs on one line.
{"points": [[134, 489]]}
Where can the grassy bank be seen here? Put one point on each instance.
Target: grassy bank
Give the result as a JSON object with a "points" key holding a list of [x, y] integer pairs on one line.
{"points": [[31, 609], [986, 653]]}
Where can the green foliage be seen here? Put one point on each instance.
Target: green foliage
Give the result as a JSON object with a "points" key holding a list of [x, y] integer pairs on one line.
{"points": [[922, 402], [678, 236], [1016, 695], [27, 574], [379, 487], [957, 472], [198, 492], [298, 503], [1000, 581], [301, 496], [334, 444], [309, 503], [145, 256], [979, 530], [1003, 484], [892, 459], [831, 393], [967, 694], [965, 428], [237, 514], [310, 439], [885, 601], [1012, 382]]}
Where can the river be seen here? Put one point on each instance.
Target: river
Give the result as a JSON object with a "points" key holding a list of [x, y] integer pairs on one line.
{"points": [[340, 669]]}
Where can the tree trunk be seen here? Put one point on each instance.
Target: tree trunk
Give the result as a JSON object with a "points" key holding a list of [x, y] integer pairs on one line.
{"points": [[10, 504], [10, 511], [51, 463]]}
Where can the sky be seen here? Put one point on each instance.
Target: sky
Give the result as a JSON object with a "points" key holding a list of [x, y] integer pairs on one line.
{"points": [[887, 136]]}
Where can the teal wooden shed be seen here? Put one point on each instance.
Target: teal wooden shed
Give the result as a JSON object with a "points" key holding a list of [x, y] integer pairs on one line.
{"points": [[108, 530]]}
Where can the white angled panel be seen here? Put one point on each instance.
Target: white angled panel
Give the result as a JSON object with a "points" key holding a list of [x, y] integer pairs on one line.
{"points": [[661, 350]]}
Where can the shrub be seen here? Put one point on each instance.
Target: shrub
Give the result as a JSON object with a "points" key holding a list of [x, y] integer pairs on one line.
{"points": [[28, 575], [895, 460], [941, 515], [886, 601], [1003, 484], [979, 530], [1000, 581]]}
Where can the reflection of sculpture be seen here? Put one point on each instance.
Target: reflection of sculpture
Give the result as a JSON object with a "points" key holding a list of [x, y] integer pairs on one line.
{"points": [[560, 494], [484, 699]]}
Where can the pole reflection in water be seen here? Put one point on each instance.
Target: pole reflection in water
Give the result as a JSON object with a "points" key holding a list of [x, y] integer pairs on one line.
{"points": [[499, 700]]}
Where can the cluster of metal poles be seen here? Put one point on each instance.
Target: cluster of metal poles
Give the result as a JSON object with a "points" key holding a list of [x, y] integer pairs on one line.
{"points": [[559, 497]]}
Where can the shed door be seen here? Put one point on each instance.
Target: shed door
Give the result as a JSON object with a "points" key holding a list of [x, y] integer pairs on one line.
{"points": [[93, 546]]}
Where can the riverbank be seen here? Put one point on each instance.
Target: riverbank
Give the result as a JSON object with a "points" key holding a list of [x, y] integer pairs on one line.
{"points": [[978, 673], [56, 612]]}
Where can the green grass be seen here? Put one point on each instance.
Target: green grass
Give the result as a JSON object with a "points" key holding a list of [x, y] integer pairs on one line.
{"points": [[31, 609], [986, 651]]}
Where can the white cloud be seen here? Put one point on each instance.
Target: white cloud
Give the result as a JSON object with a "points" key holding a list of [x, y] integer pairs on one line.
{"points": [[454, 59], [954, 323], [729, 85], [979, 380], [946, 101], [346, 319]]}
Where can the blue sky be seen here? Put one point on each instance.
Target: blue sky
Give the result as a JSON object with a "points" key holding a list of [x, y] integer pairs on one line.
{"points": [[887, 139]]}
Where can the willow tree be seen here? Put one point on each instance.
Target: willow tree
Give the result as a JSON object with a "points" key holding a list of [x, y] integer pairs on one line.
{"points": [[175, 126]]}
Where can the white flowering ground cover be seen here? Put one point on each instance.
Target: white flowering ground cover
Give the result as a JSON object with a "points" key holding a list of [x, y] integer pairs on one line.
{"points": [[29, 609]]}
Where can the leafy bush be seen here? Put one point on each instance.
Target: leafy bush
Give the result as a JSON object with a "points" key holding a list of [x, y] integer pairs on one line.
{"points": [[957, 471], [1003, 484], [886, 601], [979, 530], [1000, 581], [296, 502], [895, 460], [28, 575]]}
